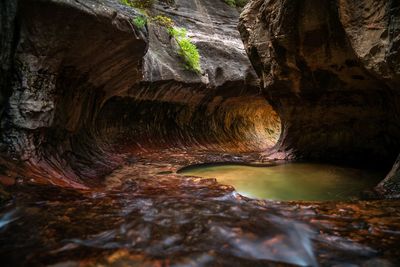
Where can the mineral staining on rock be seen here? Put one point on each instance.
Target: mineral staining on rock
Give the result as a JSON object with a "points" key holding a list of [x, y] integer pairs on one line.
{"points": [[332, 79], [331, 70], [95, 97], [67, 72]]}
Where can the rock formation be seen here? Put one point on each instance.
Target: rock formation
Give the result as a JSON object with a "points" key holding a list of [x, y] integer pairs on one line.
{"points": [[82, 83], [66, 59], [390, 186], [331, 69], [80, 80], [95, 99]]}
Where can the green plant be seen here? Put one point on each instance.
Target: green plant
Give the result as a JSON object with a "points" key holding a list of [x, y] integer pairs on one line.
{"points": [[163, 21], [138, 3], [187, 50], [127, 3], [140, 22], [241, 3], [231, 2], [177, 32]]}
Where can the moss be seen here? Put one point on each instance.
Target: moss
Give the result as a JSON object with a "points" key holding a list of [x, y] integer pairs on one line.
{"points": [[241, 3], [231, 2], [127, 3], [163, 21], [142, 4], [187, 50], [139, 5], [139, 22]]}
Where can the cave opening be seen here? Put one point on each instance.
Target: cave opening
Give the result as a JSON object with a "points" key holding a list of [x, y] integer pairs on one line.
{"points": [[199, 133], [236, 124]]}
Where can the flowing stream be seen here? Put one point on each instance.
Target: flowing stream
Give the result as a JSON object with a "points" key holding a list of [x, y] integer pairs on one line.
{"points": [[149, 216]]}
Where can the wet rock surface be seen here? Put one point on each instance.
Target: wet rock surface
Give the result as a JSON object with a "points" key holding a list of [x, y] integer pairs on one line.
{"points": [[212, 27], [390, 186], [331, 70], [150, 216], [73, 61], [89, 119], [67, 58]]}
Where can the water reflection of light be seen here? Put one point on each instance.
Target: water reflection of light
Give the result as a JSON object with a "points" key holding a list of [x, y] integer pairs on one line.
{"points": [[296, 181], [8, 218], [290, 244]]}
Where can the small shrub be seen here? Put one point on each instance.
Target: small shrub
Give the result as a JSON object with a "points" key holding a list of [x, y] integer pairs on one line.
{"points": [[177, 32], [140, 22], [164, 21], [187, 50]]}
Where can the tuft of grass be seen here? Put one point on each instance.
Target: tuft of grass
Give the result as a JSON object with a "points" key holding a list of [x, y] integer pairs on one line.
{"points": [[177, 32], [187, 50], [140, 22]]}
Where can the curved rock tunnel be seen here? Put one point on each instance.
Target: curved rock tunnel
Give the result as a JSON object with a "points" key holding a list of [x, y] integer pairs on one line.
{"points": [[333, 78], [86, 82], [76, 108], [235, 124], [92, 101]]}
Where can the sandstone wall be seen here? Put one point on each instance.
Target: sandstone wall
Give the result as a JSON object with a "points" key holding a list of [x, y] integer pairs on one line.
{"points": [[331, 69], [83, 84]]}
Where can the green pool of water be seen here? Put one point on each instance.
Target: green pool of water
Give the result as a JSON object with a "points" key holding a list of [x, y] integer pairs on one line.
{"points": [[294, 181]]}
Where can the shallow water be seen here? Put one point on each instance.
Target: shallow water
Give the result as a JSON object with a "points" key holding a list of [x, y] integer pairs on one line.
{"points": [[294, 181], [148, 215]]}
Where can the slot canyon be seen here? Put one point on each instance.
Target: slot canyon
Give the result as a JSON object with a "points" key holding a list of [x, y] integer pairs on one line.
{"points": [[199, 133]]}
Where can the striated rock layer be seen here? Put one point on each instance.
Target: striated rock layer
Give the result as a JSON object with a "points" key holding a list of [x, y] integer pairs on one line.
{"points": [[84, 91], [82, 84], [67, 59], [152, 216], [331, 69]]}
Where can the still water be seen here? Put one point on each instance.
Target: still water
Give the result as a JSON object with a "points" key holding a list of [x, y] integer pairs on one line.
{"points": [[294, 181], [174, 220]]}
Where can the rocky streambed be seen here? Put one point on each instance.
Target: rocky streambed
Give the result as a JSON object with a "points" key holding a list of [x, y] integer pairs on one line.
{"points": [[147, 215], [99, 111]]}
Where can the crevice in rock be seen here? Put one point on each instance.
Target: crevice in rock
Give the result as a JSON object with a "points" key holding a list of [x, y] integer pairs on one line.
{"points": [[319, 65], [91, 90]]}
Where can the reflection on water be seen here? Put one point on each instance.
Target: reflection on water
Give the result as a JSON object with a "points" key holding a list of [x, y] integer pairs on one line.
{"points": [[7, 218], [295, 181], [173, 220]]}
